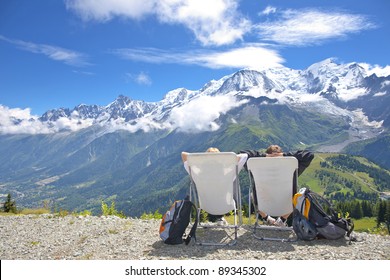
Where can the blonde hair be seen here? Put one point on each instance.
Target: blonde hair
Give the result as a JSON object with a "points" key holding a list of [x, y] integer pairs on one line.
{"points": [[274, 149], [212, 150]]}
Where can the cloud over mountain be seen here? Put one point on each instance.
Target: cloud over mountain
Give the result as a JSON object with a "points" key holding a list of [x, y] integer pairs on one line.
{"points": [[253, 56], [330, 88], [20, 121], [201, 113]]}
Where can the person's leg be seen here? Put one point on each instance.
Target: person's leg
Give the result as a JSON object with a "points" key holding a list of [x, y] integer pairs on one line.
{"points": [[214, 218], [219, 219], [282, 220], [262, 214], [266, 218]]}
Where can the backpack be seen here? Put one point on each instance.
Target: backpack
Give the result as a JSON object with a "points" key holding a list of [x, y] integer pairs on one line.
{"points": [[310, 220], [175, 222]]}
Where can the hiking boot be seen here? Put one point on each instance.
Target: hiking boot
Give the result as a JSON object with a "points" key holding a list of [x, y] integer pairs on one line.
{"points": [[269, 221], [280, 223], [221, 222]]}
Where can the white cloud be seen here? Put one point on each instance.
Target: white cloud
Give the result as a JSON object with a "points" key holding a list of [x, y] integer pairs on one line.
{"points": [[380, 94], [311, 26], [347, 94], [7, 114], [268, 10], [254, 57], [140, 78], [66, 56], [16, 120], [385, 84], [251, 56], [376, 69], [70, 124], [143, 79], [309, 98], [105, 10], [200, 114], [20, 121], [218, 24], [145, 124]]}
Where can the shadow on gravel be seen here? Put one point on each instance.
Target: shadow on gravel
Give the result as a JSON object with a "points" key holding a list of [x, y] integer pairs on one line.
{"points": [[245, 243]]}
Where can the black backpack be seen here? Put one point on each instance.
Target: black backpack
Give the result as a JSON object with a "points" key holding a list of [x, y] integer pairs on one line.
{"points": [[311, 220], [175, 222]]}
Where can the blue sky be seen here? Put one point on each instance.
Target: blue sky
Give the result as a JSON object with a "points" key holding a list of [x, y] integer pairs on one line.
{"points": [[66, 52]]}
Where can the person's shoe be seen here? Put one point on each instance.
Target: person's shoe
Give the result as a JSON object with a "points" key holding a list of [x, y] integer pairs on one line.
{"points": [[221, 222], [269, 220], [280, 223]]}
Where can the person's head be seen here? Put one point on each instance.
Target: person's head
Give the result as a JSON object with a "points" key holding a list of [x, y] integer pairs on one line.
{"points": [[274, 150], [212, 150]]}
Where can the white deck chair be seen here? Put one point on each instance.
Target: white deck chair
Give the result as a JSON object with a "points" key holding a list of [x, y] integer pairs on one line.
{"points": [[273, 178], [215, 186]]}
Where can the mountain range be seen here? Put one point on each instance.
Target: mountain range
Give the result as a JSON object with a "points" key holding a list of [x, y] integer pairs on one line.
{"points": [[129, 151]]}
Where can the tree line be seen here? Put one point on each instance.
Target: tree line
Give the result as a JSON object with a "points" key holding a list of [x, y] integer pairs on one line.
{"points": [[344, 162], [359, 209]]}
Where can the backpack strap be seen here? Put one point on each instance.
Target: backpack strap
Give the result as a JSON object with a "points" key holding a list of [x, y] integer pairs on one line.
{"points": [[350, 229], [191, 234], [318, 198]]}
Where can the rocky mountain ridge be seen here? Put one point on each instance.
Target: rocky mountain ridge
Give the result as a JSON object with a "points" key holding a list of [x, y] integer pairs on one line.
{"points": [[333, 88]]}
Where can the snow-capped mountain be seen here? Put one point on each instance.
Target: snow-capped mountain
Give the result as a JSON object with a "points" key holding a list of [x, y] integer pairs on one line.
{"points": [[326, 85]]}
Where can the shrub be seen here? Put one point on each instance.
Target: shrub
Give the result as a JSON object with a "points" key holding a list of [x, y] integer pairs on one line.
{"points": [[111, 211], [149, 216], [83, 213]]}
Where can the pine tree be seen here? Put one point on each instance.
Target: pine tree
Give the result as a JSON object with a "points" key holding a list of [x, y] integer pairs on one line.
{"points": [[367, 209], [356, 210], [381, 213], [9, 205], [387, 216]]}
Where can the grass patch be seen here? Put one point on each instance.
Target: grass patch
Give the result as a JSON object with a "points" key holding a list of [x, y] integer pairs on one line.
{"points": [[6, 214], [245, 219], [364, 224], [37, 211]]}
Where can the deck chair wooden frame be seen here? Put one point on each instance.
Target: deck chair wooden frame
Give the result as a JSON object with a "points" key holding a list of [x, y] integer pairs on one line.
{"points": [[215, 189], [273, 179]]}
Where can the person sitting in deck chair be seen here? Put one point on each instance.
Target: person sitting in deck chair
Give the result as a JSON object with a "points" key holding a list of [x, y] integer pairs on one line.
{"points": [[241, 158], [304, 159]]}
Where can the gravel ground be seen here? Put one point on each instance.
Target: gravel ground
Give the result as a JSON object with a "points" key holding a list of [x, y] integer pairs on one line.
{"points": [[47, 237]]}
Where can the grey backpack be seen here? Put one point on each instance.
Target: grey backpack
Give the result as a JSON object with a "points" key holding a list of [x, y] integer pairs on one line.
{"points": [[175, 222], [311, 220]]}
